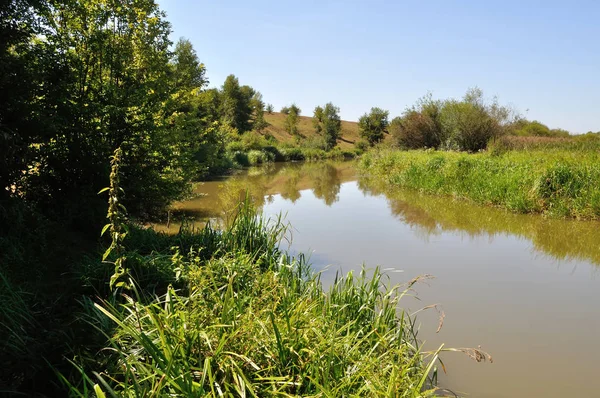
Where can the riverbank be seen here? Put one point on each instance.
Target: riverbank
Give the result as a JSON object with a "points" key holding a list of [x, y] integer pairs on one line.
{"points": [[554, 183], [242, 317]]}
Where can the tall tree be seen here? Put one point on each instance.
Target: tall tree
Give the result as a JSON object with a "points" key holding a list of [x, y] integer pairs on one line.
{"points": [[291, 120], [236, 104], [373, 125], [196, 145], [258, 112], [188, 71], [327, 122]]}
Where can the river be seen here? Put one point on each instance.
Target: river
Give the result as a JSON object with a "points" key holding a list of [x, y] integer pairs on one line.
{"points": [[524, 288]]}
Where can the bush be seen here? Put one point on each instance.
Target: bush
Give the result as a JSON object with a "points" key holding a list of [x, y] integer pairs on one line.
{"points": [[241, 158], [292, 153], [260, 157], [253, 140], [235, 146], [274, 153], [361, 146], [315, 142]]}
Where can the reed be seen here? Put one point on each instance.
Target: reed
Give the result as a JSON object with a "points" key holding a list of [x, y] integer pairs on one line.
{"points": [[250, 320], [559, 183]]}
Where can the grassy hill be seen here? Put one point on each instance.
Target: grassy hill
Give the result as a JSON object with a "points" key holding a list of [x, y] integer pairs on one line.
{"points": [[349, 135]]}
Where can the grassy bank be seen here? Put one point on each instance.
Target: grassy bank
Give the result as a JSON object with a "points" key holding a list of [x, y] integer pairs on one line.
{"points": [[559, 183], [249, 320]]}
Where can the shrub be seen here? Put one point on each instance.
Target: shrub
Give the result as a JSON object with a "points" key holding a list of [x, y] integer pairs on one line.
{"points": [[361, 146], [253, 140], [292, 153], [274, 153], [260, 157], [373, 125], [241, 158]]}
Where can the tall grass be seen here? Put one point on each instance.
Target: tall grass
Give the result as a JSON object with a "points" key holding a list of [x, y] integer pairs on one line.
{"points": [[560, 183], [584, 142], [249, 320]]}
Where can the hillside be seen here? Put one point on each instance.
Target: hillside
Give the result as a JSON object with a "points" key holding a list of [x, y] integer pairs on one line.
{"points": [[276, 122]]}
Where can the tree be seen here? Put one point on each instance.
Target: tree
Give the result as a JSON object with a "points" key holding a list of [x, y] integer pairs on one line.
{"points": [[419, 126], [471, 123], [327, 122], [291, 120], [188, 72], [258, 112], [239, 104], [269, 109], [107, 80], [373, 125]]}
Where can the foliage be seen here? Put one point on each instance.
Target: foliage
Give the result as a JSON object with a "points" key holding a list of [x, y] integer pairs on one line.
{"points": [[327, 122], [471, 123], [526, 128], [420, 126], [558, 183], [225, 334], [188, 72], [291, 120], [236, 109], [466, 125], [361, 146], [373, 125], [269, 108], [258, 112]]}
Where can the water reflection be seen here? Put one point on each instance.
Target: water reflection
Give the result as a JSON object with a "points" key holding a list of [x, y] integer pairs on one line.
{"points": [[502, 278], [430, 215], [427, 215], [214, 199]]}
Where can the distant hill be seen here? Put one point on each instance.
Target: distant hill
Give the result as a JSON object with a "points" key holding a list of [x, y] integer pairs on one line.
{"points": [[276, 120]]}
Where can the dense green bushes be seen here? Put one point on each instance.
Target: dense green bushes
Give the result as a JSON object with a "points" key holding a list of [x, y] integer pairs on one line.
{"points": [[254, 149], [466, 125], [557, 183]]}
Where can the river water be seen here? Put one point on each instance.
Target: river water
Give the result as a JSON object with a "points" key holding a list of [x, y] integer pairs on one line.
{"points": [[524, 288]]}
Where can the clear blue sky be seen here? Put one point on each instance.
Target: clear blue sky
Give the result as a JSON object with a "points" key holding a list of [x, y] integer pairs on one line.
{"points": [[540, 56]]}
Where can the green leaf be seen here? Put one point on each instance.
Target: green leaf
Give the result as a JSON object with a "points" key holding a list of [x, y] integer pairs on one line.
{"points": [[98, 391]]}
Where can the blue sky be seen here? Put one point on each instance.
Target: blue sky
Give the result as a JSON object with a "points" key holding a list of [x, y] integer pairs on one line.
{"points": [[541, 57]]}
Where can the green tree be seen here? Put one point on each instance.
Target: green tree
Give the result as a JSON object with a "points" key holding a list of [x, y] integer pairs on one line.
{"points": [[258, 112], [269, 109], [197, 142], [471, 123], [100, 82], [238, 104], [327, 122], [419, 126], [291, 120], [373, 125], [28, 68], [188, 72]]}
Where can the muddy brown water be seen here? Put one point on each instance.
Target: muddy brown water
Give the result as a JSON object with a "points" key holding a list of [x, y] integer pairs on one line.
{"points": [[524, 288]]}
